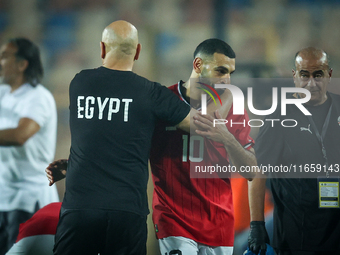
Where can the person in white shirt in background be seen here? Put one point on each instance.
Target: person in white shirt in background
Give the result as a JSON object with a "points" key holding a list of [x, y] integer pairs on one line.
{"points": [[28, 129]]}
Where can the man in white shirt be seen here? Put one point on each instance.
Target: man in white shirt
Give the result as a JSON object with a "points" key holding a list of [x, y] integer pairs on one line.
{"points": [[28, 123]]}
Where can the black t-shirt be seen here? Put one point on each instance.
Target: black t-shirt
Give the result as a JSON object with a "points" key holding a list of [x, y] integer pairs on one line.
{"points": [[299, 224], [112, 118], [319, 113]]}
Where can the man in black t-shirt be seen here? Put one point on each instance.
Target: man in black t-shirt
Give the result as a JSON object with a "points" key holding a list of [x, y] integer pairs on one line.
{"points": [[306, 214], [113, 112], [112, 118]]}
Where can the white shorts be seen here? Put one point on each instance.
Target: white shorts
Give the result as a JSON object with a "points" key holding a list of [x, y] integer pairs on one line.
{"points": [[33, 245], [178, 245]]}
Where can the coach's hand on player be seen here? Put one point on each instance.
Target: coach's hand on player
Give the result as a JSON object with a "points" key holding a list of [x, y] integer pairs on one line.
{"points": [[56, 171], [212, 129], [258, 237]]}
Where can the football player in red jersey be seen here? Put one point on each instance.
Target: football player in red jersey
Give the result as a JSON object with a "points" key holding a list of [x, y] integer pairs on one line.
{"points": [[195, 215]]}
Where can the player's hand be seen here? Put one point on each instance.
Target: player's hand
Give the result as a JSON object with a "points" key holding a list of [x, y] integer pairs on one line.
{"points": [[56, 171], [258, 237], [212, 128]]}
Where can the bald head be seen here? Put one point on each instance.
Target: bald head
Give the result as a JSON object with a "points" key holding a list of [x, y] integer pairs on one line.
{"points": [[312, 54], [119, 45], [121, 38]]}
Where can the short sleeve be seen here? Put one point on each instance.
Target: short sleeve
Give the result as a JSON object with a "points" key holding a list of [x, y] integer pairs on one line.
{"points": [[39, 107], [240, 129], [269, 142], [167, 106]]}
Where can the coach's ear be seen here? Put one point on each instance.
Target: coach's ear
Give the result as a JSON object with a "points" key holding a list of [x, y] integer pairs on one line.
{"points": [[138, 49], [197, 65], [330, 72], [102, 50]]}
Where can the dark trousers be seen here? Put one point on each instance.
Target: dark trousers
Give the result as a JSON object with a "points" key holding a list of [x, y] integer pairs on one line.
{"points": [[93, 231], [9, 227]]}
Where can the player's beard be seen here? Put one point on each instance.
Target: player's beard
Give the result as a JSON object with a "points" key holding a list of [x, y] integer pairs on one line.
{"points": [[204, 78]]}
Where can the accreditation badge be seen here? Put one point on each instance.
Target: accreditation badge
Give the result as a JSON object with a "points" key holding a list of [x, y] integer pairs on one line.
{"points": [[328, 192]]}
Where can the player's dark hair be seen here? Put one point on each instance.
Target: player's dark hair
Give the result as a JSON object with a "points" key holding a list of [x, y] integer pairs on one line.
{"points": [[214, 45], [29, 51]]}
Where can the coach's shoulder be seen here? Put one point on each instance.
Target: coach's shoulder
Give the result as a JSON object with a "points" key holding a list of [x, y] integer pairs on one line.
{"points": [[335, 97]]}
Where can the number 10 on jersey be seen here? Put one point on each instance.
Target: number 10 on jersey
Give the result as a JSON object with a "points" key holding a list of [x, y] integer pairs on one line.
{"points": [[196, 148]]}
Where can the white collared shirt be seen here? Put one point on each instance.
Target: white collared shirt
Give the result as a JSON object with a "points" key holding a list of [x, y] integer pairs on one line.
{"points": [[22, 168]]}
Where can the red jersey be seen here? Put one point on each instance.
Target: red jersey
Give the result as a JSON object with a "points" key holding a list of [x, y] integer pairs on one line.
{"points": [[197, 208], [43, 222]]}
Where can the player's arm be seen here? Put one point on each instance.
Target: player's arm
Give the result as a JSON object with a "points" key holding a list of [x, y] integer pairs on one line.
{"points": [[188, 123], [18, 136], [256, 194], [56, 171], [238, 155], [267, 153], [185, 123], [258, 236]]}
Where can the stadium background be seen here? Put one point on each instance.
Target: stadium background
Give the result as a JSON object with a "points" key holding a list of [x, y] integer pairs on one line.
{"points": [[265, 35]]}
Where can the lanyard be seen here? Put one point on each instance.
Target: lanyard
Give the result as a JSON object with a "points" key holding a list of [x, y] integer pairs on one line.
{"points": [[323, 133]]}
